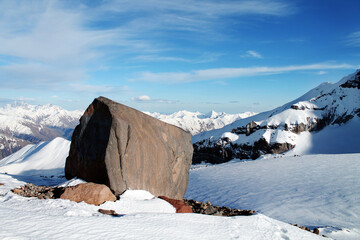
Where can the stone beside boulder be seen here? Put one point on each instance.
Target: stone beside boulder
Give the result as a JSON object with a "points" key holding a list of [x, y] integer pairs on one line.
{"points": [[209, 209], [41, 192], [180, 206], [91, 193], [125, 149]]}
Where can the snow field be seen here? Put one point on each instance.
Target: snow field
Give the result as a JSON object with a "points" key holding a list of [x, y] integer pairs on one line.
{"points": [[30, 218], [312, 190]]}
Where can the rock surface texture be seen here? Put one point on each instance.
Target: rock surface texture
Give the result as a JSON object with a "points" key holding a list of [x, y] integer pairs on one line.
{"points": [[91, 193], [127, 149]]}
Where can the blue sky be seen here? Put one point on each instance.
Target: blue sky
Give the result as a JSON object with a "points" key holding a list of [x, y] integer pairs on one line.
{"points": [[165, 56]]}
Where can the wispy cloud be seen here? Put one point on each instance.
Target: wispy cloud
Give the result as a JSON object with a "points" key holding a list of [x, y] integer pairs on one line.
{"points": [[322, 72], [252, 54], [142, 98], [47, 43], [98, 89], [147, 99], [226, 73], [354, 39], [204, 58]]}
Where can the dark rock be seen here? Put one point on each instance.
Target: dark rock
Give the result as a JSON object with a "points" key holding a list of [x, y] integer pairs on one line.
{"points": [[251, 127], [213, 153], [316, 231], [1, 184], [108, 212], [127, 149], [180, 206], [209, 209], [299, 128], [90, 193], [41, 192], [354, 83]]}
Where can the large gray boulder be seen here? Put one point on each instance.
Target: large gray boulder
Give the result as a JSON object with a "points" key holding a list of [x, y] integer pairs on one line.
{"points": [[126, 149]]}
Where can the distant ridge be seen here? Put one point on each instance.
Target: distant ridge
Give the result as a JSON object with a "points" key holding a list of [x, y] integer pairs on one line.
{"points": [[196, 122], [22, 124]]}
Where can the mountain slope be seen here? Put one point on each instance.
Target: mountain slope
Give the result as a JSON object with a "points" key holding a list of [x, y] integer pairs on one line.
{"points": [[196, 122], [22, 124], [278, 130]]}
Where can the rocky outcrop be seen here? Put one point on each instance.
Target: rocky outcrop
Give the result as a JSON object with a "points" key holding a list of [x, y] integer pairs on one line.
{"points": [[41, 192], [354, 83], [126, 149], [214, 153], [179, 205], [209, 209], [91, 193]]}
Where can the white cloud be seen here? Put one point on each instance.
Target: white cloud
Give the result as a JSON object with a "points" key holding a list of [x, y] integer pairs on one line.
{"points": [[147, 99], [98, 89], [252, 54], [322, 72], [354, 39], [226, 73], [143, 98]]}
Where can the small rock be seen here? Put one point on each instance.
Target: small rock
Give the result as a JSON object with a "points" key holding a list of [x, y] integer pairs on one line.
{"points": [[316, 231], [108, 212], [90, 193], [1, 184], [210, 210], [179, 205]]}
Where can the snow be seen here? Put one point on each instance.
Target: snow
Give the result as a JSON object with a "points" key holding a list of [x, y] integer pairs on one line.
{"points": [[312, 190], [48, 115], [231, 136], [335, 139], [196, 122], [142, 216], [32, 158], [320, 102]]}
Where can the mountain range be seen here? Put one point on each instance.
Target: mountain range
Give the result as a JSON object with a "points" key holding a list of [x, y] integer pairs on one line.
{"points": [[22, 124], [196, 122], [321, 113]]}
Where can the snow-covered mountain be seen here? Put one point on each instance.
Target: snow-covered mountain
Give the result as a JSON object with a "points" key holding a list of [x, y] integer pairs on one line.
{"points": [[22, 123], [279, 130], [196, 122]]}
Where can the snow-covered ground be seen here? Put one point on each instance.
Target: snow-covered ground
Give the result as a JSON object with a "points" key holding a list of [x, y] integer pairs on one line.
{"points": [[312, 190], [141, 215]]}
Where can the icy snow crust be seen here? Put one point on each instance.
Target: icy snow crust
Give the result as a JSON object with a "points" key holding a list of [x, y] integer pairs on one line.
{"points": [[196, 122], [315, 104], [141, 215]]}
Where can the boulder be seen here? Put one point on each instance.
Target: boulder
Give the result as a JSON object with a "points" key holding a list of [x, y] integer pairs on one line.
{"points": [[125, 149], [179, 205], [90, 193]]}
